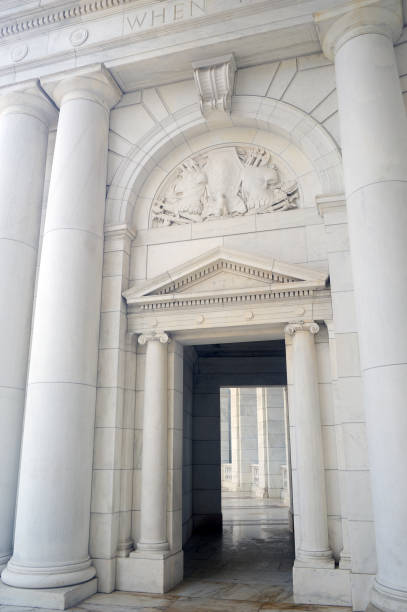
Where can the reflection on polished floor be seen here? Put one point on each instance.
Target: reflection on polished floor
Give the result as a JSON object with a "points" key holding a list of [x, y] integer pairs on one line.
{"points": [[247, 568]]}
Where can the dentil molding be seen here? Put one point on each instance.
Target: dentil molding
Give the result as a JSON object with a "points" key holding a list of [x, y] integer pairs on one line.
{"points": [[58, 16], [222, 276]]}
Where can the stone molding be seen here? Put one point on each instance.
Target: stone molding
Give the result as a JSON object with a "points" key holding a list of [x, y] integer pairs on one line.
{"points": [[259, 112], [302, 326], [214, 80], [216, 293], [337, 26], [93, 83], [153, 336], [258, 280], [58, 16], [30, 99], [328, 203]]}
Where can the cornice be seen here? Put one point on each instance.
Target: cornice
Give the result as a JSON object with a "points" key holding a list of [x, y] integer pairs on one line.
{"points": [[66, 12], [58, 15]]}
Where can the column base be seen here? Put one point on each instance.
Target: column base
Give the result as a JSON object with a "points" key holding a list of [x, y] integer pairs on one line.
{"points": [[329, 587], [150, 572], [385, 599], [125, 548], [54, 599], [320, 559], [345, 561], [47, 577], [3, 562]]}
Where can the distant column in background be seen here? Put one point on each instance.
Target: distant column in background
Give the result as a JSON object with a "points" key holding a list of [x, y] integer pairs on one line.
{"points": [[235, 437], [248, 436]]}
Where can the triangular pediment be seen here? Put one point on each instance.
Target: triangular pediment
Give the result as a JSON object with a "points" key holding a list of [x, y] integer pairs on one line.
{"points": [[220, 273]]}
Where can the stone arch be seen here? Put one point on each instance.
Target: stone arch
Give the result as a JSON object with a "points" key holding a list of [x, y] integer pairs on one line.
{"points": [[145, 165]]}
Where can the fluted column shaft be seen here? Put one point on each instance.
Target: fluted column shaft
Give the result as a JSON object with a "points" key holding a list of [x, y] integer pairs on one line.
{"points": [[374, 138], [25, 115], [314, 546], [154, 478], [53, 509]]}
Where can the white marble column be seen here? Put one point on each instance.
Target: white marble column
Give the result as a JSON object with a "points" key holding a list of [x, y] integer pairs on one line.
{"points": [[314, 548], [154, 476], [235, 437], [25, 117], [53, 508], [374, 138], [263, 443], [287, 492]]}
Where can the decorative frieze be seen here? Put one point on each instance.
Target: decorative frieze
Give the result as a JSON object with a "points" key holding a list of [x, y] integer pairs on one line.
{"points": [[223, 182], [58, 16]]}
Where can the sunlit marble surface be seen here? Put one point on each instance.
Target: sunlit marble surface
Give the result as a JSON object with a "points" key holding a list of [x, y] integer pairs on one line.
{"points": [[246, 569]]}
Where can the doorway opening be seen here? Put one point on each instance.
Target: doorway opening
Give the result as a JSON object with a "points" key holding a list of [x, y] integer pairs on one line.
{"points": [[237, 510]]}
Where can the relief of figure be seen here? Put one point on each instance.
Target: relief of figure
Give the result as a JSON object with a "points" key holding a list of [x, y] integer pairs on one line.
{"points": [[262, 189], [224, 172], [184, 200], [224, 182]]}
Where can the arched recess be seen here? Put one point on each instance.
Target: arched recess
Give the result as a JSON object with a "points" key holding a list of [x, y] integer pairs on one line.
{"points": [[298, 139]]}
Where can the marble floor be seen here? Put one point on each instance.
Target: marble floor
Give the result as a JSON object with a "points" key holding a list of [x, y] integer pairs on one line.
{"points": [[245, 569]]}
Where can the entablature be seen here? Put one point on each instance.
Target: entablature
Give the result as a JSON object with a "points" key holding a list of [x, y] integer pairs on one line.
{"points": [[124, 34], [224, 289]]}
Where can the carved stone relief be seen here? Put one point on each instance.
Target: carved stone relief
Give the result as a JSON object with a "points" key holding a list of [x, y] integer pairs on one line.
{"points": [[223, 182]]}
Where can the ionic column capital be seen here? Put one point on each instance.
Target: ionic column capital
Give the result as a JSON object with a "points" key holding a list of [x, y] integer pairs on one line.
{"points": [[337, 26], [302, 326], [28, 98], [93, 83], [154, 335]]}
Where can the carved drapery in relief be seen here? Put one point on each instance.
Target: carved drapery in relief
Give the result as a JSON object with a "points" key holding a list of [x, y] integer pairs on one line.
{"points": [[223, 182]]}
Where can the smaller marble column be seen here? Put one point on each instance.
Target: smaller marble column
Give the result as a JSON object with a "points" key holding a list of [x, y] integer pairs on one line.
{"points": [[262, 489], [153, 520], [155, 566], [314, 548], [235, 437]]}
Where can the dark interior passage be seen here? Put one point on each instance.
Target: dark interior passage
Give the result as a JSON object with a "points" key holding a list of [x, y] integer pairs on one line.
{"points": [[247, 540]]}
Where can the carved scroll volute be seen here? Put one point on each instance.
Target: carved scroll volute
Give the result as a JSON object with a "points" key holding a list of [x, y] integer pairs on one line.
{"points": [[302, 326], [157, 336], [214, 79]]}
